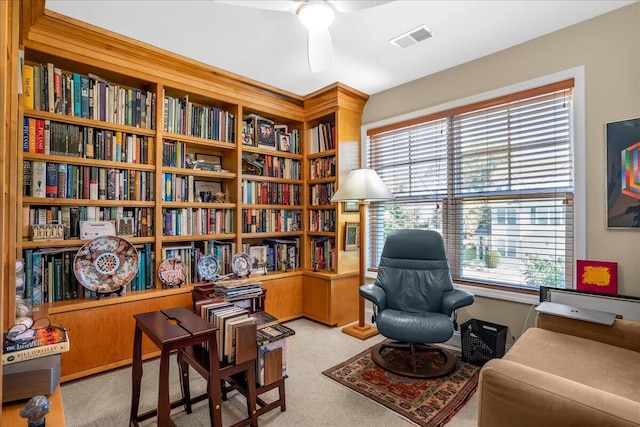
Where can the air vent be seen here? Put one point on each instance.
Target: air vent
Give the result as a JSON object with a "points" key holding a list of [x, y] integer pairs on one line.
{"points": [[412, 37]]}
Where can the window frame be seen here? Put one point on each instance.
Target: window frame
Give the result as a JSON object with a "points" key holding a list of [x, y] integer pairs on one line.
{"points": [[579, 161]]}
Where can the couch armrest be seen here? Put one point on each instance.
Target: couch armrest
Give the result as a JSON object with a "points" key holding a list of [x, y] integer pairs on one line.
{"points": [[623, 333], [511, 394], [375, 294]]}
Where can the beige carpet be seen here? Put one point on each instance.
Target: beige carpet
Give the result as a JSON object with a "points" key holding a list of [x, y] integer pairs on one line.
{"points": [[312, 399]]}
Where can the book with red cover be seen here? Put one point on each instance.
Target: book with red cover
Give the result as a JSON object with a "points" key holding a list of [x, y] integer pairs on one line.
{"points": [[597, 276]]}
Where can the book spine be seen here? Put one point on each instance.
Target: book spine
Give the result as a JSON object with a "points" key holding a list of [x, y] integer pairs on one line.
{"points": [[62, 181], [34, 353], [51, 99], [52, 180], [84, 96], [39, 136], [38, 179], [27, 86], [77, 96], [37, 87]]}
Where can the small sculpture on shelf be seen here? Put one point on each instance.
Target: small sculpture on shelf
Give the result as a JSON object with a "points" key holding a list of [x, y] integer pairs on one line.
{"points": [[35, 410]]}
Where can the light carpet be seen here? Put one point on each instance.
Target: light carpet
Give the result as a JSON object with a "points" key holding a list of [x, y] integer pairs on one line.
{"points": [[313, 400]]}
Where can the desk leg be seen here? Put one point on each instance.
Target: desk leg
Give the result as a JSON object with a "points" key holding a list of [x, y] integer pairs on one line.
{"points": [[184, 382], [136, 376], [252, 395], [213, 384], [163, 390]]}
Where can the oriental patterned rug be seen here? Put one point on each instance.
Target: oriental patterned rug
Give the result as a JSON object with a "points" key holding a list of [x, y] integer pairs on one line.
{"points": [[427, 402]]}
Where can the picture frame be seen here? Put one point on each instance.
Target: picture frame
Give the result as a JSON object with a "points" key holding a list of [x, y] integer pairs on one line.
{"points": [[351, 236], [350, 207], [208, 191], [623, 189], [208, 162], [284, 143]]}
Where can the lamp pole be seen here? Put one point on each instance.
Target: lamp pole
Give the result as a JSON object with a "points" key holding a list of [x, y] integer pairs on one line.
{"points": [[361, 329]]}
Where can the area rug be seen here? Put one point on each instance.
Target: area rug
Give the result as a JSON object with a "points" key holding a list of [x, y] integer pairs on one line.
{"points": [[427, 402]]}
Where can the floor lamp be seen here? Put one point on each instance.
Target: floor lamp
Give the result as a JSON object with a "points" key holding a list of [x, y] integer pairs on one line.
{"points": [[362, 186]]}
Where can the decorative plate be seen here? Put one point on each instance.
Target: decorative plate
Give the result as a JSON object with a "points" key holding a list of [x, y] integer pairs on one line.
{"points": [[208, 267], [172, 272], [106, 264], [241, 264]]}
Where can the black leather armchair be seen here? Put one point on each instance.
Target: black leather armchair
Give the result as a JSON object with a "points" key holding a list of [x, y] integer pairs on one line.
{"points": [[414, 300]]}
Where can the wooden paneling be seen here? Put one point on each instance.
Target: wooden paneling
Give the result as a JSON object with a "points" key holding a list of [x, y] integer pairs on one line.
{"points": [[332, 300], [102, 337], [284, 297]]}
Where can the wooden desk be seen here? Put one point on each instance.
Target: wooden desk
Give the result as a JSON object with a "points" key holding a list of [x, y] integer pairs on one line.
{"points": [[55, 417]]}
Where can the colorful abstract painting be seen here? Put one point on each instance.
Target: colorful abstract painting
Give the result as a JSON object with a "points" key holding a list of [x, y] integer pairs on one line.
{"points": [[597, 276], [623, 174]]}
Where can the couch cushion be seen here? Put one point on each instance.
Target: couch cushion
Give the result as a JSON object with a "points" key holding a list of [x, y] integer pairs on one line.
{"points": [[594, 364]]}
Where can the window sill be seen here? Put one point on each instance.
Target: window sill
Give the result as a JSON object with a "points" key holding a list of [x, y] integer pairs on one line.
{"points": [[498, 294]]}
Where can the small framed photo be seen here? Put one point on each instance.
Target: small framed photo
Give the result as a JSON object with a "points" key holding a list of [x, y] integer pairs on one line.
{"points": [[125, 227], [352, 236], [284, 143], [350, 207]]}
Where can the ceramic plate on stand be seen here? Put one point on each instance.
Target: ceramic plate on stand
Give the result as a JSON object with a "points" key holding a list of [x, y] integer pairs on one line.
{"points": [[208, 267], [241, 264], [172, 272], [106, 264]]}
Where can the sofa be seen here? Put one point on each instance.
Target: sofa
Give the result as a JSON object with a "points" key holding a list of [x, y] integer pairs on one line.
{"points": [[565, 372]]}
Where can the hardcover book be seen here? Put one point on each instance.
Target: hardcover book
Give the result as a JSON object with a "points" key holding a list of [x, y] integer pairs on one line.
{"points": [[47, 341]]}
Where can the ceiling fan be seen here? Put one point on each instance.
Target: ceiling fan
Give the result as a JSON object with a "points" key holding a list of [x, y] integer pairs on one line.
{"points": [[315, 15]]}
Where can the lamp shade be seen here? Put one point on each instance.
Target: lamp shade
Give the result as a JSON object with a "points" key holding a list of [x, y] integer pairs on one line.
{"points": [[362, 185]]}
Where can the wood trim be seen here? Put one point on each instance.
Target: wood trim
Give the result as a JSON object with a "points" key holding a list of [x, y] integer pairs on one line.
{"points": [[564, 84]]}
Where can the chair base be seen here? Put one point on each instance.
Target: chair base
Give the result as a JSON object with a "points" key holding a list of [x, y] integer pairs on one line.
{"points": [[448, 366]]}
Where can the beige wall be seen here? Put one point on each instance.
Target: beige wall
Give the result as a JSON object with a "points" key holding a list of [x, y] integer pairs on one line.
{"points": [[609, 49]]}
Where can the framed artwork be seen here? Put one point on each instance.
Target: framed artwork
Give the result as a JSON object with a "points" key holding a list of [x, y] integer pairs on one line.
{"points": [[208, 191], [623, 173], [350, 207], [284, 144], [352, 236], [208, 162], [597, 276]]}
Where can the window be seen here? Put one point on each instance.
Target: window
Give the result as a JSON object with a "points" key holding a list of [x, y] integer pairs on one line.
{"points": [[495, 178]]}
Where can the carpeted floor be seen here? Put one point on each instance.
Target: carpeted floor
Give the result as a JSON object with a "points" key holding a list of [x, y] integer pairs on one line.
{"points": [[313, 400], [429, 402]]}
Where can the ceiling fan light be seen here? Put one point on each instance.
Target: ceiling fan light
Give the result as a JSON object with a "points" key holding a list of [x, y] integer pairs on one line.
{"points": [[316, 15]]}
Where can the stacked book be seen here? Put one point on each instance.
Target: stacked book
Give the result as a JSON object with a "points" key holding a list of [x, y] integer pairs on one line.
{"points": [[47, 341], [233, 290]]}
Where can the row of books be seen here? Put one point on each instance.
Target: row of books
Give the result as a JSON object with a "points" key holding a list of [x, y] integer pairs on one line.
{"points": [[323, 253], [174, 154], [63, 139], [66, 181], [184, 117], [71, 216], [282, 254], [49, 274], [192, 221], [226, 316], [322, 138], [279, 167], [270, 220], [271, 193], [48, 88], [46, 341], [322, 167], [320, 194], [322, 220]]}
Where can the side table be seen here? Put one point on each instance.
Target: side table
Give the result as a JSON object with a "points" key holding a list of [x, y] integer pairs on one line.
{"points": [[172, 329]]}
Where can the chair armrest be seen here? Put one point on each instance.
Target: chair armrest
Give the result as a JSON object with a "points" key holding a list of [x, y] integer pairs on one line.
{"points": [[511, 394], [375, 294], [454, 299], [623, 333]]}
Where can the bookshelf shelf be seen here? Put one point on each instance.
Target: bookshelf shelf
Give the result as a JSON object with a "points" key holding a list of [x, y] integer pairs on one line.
{"points": [[85, 202], [270, 179], [195, 141], [87, 162], [57, 117], [28, 244], [272, 235], [199, 173], [198, 237], [326, 153]]}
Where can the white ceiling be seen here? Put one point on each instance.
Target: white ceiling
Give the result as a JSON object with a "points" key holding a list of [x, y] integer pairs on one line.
{"points": [[270, 46]]}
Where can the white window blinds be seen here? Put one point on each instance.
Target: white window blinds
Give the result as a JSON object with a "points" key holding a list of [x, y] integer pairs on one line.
{"points": [[495, 178]]}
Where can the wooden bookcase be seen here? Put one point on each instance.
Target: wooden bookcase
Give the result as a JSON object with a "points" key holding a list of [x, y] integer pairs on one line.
{"points": [[102, 330]]}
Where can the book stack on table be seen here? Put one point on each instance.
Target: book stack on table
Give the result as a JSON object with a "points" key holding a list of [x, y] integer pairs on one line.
{"points": [[47, 341], [232, 290]]}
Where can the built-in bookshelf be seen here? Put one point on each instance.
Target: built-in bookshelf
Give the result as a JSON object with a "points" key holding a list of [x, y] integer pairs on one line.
{"points": [[191, 160]]}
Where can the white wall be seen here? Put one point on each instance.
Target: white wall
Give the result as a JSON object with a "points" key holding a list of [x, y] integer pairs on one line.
{"points": [[609, 49]]}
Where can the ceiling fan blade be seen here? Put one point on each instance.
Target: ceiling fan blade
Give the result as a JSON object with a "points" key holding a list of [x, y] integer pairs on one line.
{"points": [[351, 5], [278, 5], [319, 49]]}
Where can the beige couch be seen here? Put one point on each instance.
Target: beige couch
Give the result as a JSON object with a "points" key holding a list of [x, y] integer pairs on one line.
{"points": [[565, 372]]}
